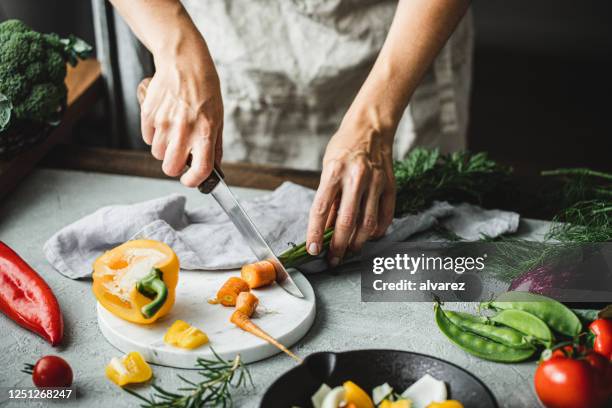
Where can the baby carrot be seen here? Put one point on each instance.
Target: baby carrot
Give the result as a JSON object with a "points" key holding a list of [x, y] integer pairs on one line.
{"points": [[258, 274], [240, 319], [247, 303], [230, 290]]}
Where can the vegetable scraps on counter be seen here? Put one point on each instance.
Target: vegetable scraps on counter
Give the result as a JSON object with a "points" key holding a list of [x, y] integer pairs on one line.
{"points": [[50, 371], [183, 335], [129, 369], [137, 280], [27, 299]]}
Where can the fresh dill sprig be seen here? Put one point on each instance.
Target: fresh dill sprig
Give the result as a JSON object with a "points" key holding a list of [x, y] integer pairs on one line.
{"points": [[426, 176], [586, 206], [220, 377]]}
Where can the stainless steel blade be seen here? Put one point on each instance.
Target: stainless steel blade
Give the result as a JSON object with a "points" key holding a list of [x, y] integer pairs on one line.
{"points": [[251, 235]]}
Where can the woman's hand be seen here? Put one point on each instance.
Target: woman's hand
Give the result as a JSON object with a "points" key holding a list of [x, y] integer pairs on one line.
{"points": [[182, 114], [356, 194]]}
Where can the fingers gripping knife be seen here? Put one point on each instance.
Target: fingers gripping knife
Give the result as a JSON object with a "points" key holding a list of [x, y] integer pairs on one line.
{"points": [[215, 186]]}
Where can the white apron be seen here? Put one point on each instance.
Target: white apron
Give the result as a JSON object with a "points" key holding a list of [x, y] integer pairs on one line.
{"points": [[289, 70]]}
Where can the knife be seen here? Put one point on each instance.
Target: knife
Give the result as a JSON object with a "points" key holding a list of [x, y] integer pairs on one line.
{"points": [[215, 186]]}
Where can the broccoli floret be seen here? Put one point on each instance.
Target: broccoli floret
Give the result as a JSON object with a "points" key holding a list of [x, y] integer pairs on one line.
{"points": [[42, 103], [32, 71], [13, 26]]}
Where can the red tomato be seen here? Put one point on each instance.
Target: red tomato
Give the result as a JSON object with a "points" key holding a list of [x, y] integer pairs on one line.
{"points": [[52, 371], [566, 382], [602, 343]]}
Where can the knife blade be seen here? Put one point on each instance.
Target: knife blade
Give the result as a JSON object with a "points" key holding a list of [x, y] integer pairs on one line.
{"points": [[215, 186]]}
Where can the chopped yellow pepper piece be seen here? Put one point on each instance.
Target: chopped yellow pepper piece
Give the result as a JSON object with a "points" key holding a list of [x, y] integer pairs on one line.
{"points": [[131, 368], [397, 404], [182, 334], [356, 395], [446, 404]]}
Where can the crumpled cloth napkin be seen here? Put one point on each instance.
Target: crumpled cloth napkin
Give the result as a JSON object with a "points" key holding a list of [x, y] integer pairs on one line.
{"points": [[205, 239]]}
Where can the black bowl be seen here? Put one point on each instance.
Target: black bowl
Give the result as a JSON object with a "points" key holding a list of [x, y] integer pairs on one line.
{"points": [[370, 368]]}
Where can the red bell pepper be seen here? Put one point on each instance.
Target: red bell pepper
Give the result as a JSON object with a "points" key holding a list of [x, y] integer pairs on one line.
{"points": [[27, 299], [601, 330]]}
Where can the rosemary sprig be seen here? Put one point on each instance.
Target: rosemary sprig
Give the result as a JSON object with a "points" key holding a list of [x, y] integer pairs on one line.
{"points": [[220, 377]]}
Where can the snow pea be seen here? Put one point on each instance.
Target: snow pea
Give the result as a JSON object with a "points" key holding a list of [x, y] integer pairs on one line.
{"points": [[556, 315], [477, 345], [525, 323], [481, 325]]}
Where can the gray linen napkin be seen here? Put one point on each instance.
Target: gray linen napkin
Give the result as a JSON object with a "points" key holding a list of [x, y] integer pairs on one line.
{"points": [[205, 239]]}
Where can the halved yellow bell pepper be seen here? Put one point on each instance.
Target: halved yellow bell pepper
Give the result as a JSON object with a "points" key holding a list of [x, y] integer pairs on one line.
{"points": [[182, 334], [131, 368], [356, 395], [136, 281]]}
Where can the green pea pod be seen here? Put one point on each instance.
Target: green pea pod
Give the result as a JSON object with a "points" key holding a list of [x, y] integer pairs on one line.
{"points": [[556, 315], [525, 323], [477, 345], [480, 325]]}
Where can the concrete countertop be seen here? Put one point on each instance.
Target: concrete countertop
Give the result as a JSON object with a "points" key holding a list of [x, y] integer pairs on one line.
{"points": [[51, 199]]}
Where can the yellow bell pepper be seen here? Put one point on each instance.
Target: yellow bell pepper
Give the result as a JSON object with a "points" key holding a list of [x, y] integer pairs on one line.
{"points": [[446, 404], [356, 395], [182, 334], [136, 281], [397, 404], [131, 368]]}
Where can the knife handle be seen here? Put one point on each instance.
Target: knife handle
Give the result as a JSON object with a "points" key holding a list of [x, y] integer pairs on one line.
{"points": [[211, 181]]}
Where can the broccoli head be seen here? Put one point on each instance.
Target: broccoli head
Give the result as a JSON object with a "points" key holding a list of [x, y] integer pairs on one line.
{"points": [[32, 72]]}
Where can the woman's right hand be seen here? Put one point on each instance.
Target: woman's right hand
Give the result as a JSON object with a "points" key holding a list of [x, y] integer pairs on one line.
{"points": [[182, 113]]}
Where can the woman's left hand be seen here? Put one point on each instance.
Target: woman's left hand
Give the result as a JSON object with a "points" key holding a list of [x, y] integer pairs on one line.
{"points": [[356, 194]]}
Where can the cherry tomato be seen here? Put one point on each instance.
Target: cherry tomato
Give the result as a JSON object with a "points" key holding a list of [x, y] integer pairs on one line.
{"points": [[573, 380], [52, 371], [602, 331]]}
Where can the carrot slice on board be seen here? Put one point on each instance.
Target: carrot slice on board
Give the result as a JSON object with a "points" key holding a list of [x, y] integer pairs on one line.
{"points": [[230, 290], [247, 303], [258, 274]]}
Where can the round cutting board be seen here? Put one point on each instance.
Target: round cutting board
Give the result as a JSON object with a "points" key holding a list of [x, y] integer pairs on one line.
{"points": [[281, 315]]}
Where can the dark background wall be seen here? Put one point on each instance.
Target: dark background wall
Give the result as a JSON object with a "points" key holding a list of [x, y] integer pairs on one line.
{"points": [[542, 77], [543, 82]]}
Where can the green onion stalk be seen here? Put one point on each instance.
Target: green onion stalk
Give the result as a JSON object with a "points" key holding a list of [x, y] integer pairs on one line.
{"points": [[298, 255]]}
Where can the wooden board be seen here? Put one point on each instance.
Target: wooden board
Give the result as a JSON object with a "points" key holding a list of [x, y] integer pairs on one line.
{"points": [[83, 83]]}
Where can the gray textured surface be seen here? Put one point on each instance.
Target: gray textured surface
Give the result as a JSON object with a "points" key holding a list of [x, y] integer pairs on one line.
{"points": [[50, 199]]}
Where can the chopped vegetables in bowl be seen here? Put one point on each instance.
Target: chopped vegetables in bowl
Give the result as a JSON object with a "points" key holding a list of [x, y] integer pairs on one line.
{"points": [[377, 379], [426, 392]]}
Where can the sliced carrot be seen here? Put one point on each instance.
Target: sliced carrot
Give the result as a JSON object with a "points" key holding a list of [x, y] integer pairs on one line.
{"points": [[243, 321], [247, 303], [230, 290], [258, 274]]}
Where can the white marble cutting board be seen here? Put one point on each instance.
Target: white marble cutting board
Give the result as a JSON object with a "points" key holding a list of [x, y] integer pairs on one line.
{"points": [[283, 316]]}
